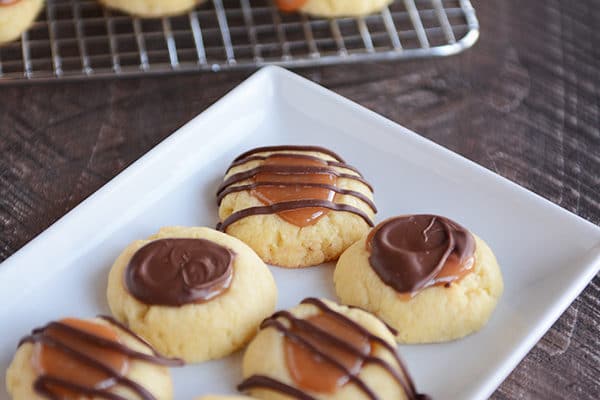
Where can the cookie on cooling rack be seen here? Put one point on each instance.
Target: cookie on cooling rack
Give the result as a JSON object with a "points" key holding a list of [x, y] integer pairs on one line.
{"points": [[152, 8], [16, 16], [296, 206], [334, 8], [76, 359], [425, 275], [193, 293], [322, 350]]}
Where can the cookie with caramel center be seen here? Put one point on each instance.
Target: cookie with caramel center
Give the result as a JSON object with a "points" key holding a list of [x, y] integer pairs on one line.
{"points": [[425, 275], [296, 206], [193, 293]]}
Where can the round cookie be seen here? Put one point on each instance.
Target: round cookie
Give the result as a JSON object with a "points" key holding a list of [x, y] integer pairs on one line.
{"points": [[296, 206], [323, 350], [46, 363], [334, 8], [152, 8], [193, 293], [424, 275], [16, 16]]}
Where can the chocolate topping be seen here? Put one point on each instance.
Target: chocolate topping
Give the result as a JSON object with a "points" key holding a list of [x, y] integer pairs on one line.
{"points": [[327, 351], [175, 272], [76, 358], [300, 188], [410, 253]]}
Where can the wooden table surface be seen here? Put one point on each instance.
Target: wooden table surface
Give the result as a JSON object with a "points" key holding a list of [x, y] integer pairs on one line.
{"points": [[524, 102]]}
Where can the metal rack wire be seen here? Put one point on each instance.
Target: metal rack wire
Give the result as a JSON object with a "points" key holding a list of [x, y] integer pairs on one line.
{"points": [[75, 39]]}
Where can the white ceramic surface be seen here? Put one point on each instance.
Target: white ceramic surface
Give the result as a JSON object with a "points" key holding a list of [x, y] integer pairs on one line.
{"points": [[547, 254]]}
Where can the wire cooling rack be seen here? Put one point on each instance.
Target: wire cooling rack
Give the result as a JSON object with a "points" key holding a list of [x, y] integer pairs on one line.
{"points": [[75, 39]]}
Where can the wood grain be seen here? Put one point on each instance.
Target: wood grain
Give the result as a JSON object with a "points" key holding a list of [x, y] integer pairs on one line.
{"points": [[524, 103]]}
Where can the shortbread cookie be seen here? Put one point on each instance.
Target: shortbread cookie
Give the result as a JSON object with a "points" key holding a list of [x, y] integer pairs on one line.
{"points": [[16, 16], [193, 293], [152, 8], [99, 358], [322, 350], [334, 8], [296, 206], [425, 275]]}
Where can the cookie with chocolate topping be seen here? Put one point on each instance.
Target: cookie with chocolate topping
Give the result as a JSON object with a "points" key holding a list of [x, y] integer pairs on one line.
{"points": [[425, 275], [193, 293], [92, 358], [296, 206], [322, 350], [16, 16]]}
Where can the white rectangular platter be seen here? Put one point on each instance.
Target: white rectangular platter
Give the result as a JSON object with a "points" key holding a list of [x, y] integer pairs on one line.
{"points": [[547, 254]]}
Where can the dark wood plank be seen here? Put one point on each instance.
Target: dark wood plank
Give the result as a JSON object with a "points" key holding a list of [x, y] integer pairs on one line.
{"points": [[524, 103]]}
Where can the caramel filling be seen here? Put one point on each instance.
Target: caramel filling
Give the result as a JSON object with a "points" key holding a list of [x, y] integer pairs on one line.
{"points": [[294, 188], [308, 368], [8, 2], [454, 270], [290, 5], [67, 366]]}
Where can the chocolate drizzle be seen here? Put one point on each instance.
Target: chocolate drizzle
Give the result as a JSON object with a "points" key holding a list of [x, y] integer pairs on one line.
{"points": [[241, 188], [336, 352], [295, 155], [413, 252], [268, 149], [300, 188], [292, 205], [288, 170], [67, 341], [263, 381], [175, 272]]}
